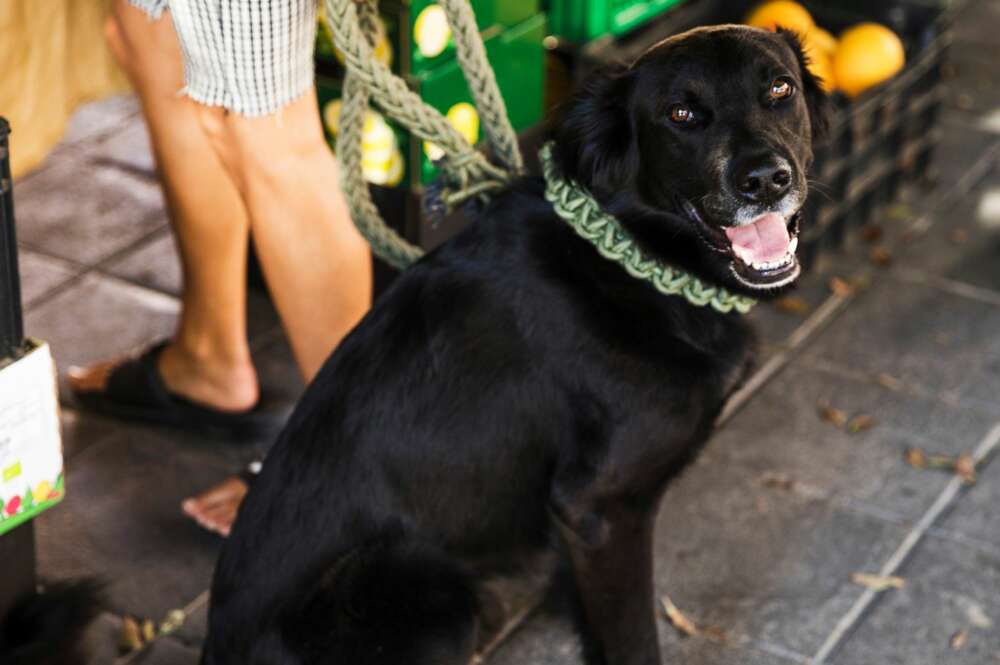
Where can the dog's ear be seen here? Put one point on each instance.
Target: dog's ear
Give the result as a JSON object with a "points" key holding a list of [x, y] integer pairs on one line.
{"points": [[817, 101], [595, 140]]}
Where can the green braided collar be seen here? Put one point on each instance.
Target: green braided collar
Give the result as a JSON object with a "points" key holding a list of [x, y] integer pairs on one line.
{"points": [[579, 209]]}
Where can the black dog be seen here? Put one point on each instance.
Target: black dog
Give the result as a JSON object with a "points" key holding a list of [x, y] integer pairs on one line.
{"points": [[516, 393]]}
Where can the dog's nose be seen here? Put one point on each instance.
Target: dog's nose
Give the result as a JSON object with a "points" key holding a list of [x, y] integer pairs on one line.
{"points": [[763, 182]]}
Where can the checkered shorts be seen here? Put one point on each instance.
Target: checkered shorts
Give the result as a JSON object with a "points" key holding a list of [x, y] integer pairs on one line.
{"points": [[250, 56]]}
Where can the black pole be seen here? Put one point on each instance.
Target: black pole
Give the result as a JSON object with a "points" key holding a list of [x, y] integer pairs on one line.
{"points": [[11, 321], [17, 547]]}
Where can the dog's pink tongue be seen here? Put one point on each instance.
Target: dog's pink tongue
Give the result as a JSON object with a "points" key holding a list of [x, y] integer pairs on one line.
{"points": [[764, 240]]}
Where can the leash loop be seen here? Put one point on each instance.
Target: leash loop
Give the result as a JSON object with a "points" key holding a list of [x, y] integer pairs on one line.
{"points": [[466, 173]]}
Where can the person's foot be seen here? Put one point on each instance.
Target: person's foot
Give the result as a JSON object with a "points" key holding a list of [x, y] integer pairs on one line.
{"points": [[216, 508], [214, 382]]}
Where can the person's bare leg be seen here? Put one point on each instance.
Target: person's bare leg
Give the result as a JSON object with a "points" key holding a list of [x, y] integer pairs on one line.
{"points": [[208, 360], [317, 265]]}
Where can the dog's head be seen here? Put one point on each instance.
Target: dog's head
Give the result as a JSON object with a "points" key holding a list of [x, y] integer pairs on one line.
{"points": [[701, 147]]}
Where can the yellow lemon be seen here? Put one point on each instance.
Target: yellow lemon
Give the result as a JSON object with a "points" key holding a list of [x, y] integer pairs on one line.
{"points": [[377, 137], [331, 116], [781, 13], [433, 151], [867, 55], [431, 31], [395, 173], [465, 119]]}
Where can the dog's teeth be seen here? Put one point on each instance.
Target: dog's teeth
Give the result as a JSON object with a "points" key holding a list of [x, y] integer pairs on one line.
{"points": [[793, 245], [772, 265]]}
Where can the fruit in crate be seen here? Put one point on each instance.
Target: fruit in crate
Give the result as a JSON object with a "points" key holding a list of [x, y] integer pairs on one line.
{"points": [[821, 66], [783, 14], [867, 55], [821, 41], [381, 157], [463, 117], [431, 32]]}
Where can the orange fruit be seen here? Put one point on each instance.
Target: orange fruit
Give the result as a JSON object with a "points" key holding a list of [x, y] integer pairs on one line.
{"points": [[821, 66], [867, 55], [821, 40], [788, 15]]}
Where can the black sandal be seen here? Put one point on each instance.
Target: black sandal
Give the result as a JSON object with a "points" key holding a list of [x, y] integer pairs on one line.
{"points": [[135, 391]]}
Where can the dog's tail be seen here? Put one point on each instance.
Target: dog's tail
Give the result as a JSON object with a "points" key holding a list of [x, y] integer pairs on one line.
{"points": [[394, 602], [47, 627]]}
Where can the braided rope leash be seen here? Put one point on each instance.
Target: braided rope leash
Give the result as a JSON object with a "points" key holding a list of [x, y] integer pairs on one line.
{"points": [[577, 207], [466, 172]]}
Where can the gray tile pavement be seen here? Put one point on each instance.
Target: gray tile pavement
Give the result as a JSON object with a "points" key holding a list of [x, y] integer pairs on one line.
{"points": [[948, 588], [41, 274], [100, 317]]}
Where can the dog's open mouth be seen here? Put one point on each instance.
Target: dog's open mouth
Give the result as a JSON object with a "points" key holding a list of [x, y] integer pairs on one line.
{"points": [[762, 252]]}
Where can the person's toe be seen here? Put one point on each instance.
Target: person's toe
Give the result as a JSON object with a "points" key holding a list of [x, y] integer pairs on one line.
{"points": [[91, 378], [216, 508], [220, 518]]}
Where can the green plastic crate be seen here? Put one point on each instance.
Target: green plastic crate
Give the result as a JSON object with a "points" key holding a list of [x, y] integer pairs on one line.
{"points": [[400, 19], [518, 59], [492, 17], [581, 21]]}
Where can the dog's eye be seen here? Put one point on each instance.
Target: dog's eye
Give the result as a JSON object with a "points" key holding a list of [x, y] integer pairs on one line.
{"points": [[781, 89], [681, 114]]}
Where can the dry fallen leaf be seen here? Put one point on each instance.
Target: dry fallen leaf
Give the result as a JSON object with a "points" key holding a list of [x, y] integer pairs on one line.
{"points": [[889, 382], [958, 236], [792, 305], [965, 467], [131, 637], [860, 423], [840, 287], [859, 283], [715, 633], [679, 621], [958, 639], [878, 582], [831, 415], [148, 631], [871, 233], [916, 458], [881, 257], [777, 480], [899, 211], [175, 619]]}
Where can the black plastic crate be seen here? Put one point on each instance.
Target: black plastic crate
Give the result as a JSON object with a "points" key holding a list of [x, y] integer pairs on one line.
{"points": [[885, 137]]}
